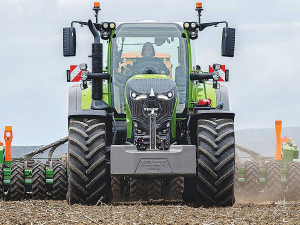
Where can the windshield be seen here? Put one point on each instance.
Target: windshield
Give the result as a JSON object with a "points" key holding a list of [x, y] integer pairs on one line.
{"points": [[148, 48]]}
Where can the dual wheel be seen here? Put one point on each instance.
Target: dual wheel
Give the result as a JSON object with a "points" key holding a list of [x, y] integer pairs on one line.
{"points": [[39, 188]]}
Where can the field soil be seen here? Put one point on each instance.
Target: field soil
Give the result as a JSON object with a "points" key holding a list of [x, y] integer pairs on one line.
{"points": [[159, 212]]}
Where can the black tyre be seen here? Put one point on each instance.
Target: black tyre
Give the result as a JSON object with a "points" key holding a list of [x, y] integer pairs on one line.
{"points": [[176, 188], [293, 176], [60, 181], [17, 181], [116, 188], [252, 185], [87, 163], [273, 184], [1, 181], [137, 187], [215, 162], [39, 188], [154, 189], [236, 181]]}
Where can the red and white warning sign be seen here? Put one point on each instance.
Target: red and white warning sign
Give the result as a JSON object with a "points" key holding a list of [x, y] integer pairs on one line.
{"points": [[221, 72], [75, 73]]}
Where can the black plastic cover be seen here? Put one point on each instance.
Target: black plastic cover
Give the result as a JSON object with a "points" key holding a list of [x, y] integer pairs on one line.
{"points": [[228, 42], [69, 41]]}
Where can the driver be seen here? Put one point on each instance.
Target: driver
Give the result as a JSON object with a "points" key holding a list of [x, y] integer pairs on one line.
{"points": [[148, 62]]}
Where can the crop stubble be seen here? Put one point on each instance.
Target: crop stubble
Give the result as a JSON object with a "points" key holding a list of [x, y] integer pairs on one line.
{"points": [[159, 212]]}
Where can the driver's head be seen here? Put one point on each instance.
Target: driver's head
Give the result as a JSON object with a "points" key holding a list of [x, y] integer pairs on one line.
{"points": [[148, 50]]}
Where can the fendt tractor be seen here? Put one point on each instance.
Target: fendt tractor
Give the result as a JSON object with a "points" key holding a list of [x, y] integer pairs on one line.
{"points": [[149, 127], [144, 123]]}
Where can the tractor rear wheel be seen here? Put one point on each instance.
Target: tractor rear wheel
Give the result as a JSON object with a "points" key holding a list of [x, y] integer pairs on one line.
{"points": [[293, 176], [252, 184], [60, 181], [273, 185], [87, 161], [17, 181], [176, 188], [116, 188], [154, 189], [137, 189], [39, 189], [215, 162]]}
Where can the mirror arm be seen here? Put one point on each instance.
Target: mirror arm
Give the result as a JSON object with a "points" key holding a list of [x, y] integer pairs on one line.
{"points": [[202, 26], [80, 22]]}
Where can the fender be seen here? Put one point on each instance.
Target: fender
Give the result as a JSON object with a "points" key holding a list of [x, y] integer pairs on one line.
{"points": [[75, 108]]}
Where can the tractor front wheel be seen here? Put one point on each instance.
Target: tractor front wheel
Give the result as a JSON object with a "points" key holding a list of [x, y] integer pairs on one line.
{"points": [[87, 162], [215, 162]]}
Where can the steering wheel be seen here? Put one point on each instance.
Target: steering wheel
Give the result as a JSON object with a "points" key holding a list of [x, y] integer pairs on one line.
{"points": [[149, 70], [143, 67]]}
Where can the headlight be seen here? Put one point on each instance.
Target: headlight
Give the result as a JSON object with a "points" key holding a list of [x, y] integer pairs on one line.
{"points": [[112, 25], [165, 96], [186, 25], [105, 25], [133, 95], [82, 66], [141, 97]]}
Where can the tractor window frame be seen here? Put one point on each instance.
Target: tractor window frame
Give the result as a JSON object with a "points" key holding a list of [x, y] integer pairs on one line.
{"points": [[183, 113]]}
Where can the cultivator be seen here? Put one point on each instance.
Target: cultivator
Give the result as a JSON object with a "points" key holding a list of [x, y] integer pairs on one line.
{"points": [[26, 177], [268, 177]]}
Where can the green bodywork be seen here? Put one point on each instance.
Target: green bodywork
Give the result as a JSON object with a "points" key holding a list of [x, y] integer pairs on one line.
{"points": [[86, 96], [290, 153], [1, 154], [204, 91]]}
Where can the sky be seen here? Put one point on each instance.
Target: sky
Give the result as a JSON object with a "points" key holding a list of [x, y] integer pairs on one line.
{"points": [[263, 84]]}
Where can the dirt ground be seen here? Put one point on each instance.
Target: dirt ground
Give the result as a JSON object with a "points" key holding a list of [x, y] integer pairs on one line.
{"points": [[59, 212]]}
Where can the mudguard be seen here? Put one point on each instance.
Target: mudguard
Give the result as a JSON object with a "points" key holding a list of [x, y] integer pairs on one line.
{"points": [[75, 108]]}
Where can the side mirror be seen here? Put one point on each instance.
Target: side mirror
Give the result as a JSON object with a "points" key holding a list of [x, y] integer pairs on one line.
{"points": [[69, 41], [228, 42]]}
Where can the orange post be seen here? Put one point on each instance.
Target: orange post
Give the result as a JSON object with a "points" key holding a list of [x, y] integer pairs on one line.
{"points": [[278, 126], [8, 136]]}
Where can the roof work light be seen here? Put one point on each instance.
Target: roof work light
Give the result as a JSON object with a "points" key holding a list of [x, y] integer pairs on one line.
{"points": [[97, 5], [199, 5]]}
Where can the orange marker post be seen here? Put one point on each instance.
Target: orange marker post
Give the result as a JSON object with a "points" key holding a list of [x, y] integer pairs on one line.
{"points": [[8, 136], [278, 126]]}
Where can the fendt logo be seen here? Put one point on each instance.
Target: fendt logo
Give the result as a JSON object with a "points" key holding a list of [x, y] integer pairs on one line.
{"points": [[154, 164]]}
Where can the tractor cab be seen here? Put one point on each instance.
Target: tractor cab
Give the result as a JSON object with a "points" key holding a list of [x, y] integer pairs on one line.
{"points": [[149, 57]]}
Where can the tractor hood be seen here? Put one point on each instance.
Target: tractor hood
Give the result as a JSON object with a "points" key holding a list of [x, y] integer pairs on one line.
{"points": [[142, 84]]}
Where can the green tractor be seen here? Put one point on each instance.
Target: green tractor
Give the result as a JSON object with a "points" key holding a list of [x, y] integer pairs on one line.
{"points": [[151, 127]]}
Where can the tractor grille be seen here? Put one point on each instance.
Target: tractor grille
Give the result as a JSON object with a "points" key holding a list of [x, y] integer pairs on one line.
{"points": [[144, 86]]}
